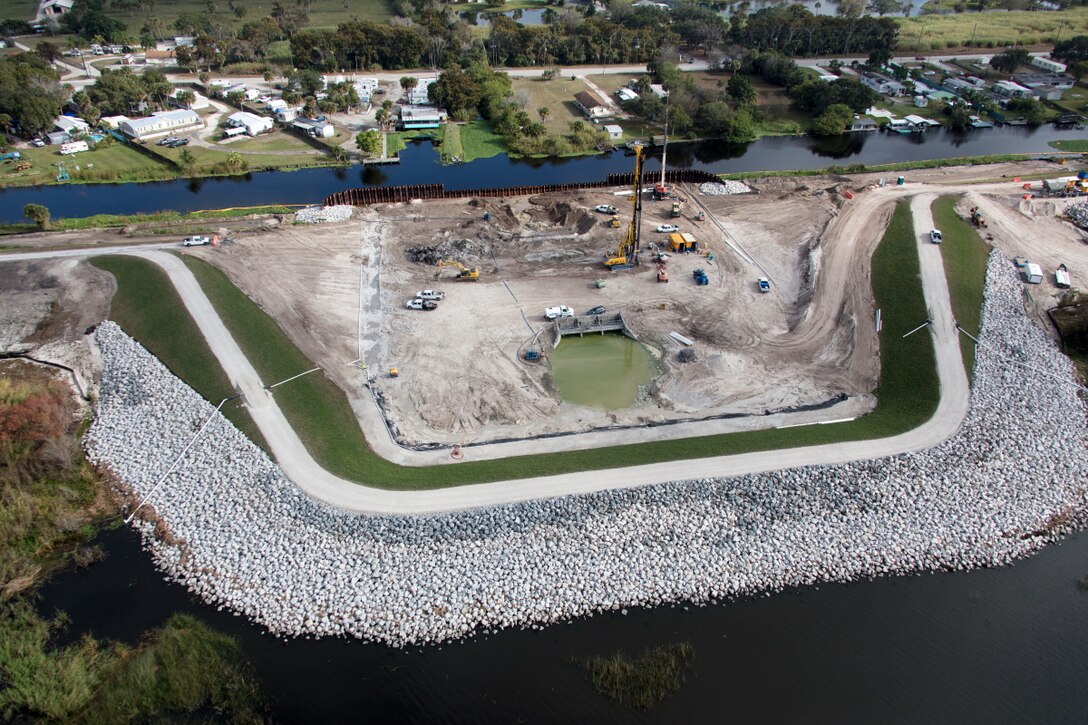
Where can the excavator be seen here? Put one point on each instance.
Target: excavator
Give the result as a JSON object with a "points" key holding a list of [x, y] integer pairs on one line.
{"points": [[464, 273], [626, 255]]}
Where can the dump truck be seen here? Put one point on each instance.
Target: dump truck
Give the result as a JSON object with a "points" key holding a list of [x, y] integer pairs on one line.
{"points": [[677, 207]]}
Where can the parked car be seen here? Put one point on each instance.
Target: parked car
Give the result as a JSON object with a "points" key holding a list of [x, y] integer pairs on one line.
{"points": [[168, 140], [265, 99], [197, 241], [430, 294], [417, 304], [919, 57], [667, 228], [38, 142], [179, 143], [598, 310], [606, 209], [561, 311], [935, 236]]}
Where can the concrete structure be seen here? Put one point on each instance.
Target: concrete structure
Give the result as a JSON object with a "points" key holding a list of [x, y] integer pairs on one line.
{"points": [[921, 101], [626, 94], [58, 138], [1047, 64], [1049, 93], [659, 90], [614, 132], [882, 84], [416, 117], [113, 122], [251, 122], [591, 105], [160, 124], [863, 124], [286, 114]]}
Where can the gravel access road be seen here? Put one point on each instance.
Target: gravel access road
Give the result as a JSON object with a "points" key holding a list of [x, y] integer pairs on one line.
{"points": [[310, 477]]}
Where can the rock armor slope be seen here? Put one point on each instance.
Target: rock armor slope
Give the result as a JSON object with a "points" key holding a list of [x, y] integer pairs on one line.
{"points": [[1011, 480]]}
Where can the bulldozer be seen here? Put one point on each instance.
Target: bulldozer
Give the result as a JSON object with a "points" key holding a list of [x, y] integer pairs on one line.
{"points": [[626, 254], [464, 273]]}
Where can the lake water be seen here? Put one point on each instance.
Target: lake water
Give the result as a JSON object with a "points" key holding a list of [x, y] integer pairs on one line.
{"points": [[601, 371], [421, 165]]}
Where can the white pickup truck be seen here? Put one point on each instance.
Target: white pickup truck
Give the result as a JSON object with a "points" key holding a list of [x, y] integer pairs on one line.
{"points": [[560, 311]]}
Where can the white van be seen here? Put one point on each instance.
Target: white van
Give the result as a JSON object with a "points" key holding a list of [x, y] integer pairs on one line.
{"points": [[73, 147]]}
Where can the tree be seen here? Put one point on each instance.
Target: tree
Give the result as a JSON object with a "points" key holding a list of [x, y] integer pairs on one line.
{"points": [[37, 214], [185, 98], [186, 158], [740, 128], [741, 90], [833, 121], [456, 91], [1072, 50], [1010, 60], [880, 56], [49, 52], [1078, 69], [369, 142], [235, 160], [408, 83], [543, 112], [883, 7]]}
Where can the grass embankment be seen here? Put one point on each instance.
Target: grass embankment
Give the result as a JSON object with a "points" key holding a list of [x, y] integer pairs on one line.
{"points": [[644, 681], [878, 168], [319, 411], [51, 501], [174, 218], [988, 30], [965, 256], [149, 309], [464, 142], [321, 13], [1078, 145], [450, 148], [109, 162]]}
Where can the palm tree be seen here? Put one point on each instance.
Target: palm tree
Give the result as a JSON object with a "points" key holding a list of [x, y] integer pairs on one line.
{"points": [[543, 112], [186, 158], [234, 159]]}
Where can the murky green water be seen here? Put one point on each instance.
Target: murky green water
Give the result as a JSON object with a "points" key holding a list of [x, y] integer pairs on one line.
{"points": [[601, 371]]}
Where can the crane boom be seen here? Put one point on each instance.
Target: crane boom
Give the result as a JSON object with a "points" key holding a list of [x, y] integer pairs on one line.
{"points": [[626, 255]]}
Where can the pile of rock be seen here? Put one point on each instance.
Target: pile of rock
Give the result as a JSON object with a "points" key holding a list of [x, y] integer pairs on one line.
{"points": [[1012, 479], [724, 188], [324, 214], [1078, 213]]}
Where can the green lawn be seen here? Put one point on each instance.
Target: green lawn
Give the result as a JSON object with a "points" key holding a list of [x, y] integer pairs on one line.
{"points": [[450, 148], [478, 142], [557, 95], [148, 308], [320, 412], [965, 256], [108, 163], [1078, 145]]}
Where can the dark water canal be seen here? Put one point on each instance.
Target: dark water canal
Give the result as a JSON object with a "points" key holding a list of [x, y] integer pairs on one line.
{"points": [[421, 165]]}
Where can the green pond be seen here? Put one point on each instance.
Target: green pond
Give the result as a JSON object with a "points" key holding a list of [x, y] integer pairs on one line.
{"points": [[601, 371]]}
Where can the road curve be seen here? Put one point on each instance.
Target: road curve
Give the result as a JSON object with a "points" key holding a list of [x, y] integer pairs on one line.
{"points": [[314, 480]]}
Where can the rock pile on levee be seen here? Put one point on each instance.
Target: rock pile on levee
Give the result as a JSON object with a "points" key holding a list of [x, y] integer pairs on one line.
{"points": [[324, 214], [244, 537]]}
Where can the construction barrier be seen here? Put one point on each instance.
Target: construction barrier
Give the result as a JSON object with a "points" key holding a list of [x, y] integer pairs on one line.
{"points": [[393, 194]]}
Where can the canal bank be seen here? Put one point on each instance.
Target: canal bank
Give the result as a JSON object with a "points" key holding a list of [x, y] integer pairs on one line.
{"points": [[422, 164]]}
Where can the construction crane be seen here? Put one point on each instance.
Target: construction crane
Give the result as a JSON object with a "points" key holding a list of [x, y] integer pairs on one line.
{"points": [[465, 274], [626, 255]]}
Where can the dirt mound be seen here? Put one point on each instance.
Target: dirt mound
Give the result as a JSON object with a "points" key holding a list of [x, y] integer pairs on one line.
{"points": [[466, 251], [561, 213]]}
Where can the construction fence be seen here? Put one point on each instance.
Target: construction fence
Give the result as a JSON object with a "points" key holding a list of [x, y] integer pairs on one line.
{"points": [[392, 194]]}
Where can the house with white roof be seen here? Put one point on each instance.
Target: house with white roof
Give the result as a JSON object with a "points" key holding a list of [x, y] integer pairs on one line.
{"points": [[71, 125], [160, 124], [251, 122]]}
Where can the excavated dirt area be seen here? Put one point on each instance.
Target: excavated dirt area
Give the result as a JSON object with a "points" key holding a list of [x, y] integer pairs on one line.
{"points": [[340, 292]]}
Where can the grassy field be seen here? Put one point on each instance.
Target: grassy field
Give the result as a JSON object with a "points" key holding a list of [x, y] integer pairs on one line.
{"points": [[170, 219], [148, 308], [320, 412], [1078, 145], [557, 95], [965, 256], [478, 142], [990, 30], [323, 13], [450, 147], [109, 162]]}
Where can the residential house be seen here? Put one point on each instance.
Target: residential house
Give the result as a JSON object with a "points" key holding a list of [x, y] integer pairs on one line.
{"points": [[1049, 65], [882, 84], [251, 122], [1012, 90], [71, 125], [626, 94], [58, 137], [1037, 80], [416, 117], [113, 122], [658, 90], [419, 95], [160, 124], [53, 9], [314, 127], [590, 105]]}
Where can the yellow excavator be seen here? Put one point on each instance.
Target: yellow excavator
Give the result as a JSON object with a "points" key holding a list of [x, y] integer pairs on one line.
{"points": [[626, 255], [464, 273]]}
